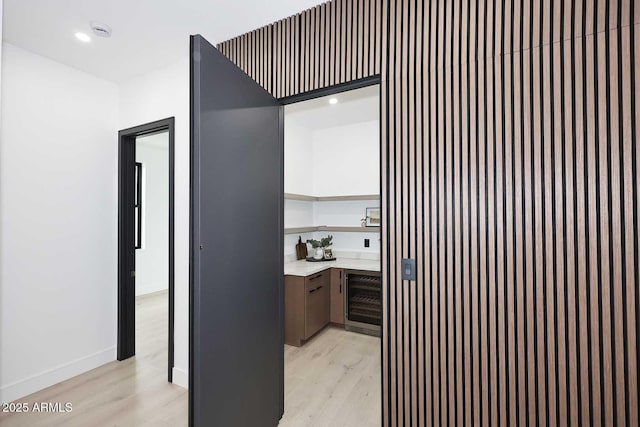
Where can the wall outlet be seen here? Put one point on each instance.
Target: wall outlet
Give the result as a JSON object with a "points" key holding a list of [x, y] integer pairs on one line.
{"points": [[366, 243]]}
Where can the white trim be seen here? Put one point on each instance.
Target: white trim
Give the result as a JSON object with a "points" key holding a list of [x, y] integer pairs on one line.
{"points": [[180, 377], [29, 385]]}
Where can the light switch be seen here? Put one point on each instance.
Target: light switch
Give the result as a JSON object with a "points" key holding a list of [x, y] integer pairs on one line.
{"points": [[408, 269]]}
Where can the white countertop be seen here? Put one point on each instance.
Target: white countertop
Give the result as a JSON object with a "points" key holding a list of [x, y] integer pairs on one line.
{"points": [[304, 268]]}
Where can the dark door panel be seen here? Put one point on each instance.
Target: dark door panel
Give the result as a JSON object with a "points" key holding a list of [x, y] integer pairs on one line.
{"points": [[237, 343]]}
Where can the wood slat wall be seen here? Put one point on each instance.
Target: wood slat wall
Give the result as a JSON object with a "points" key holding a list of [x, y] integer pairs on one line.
{"points": [[510, 172]]}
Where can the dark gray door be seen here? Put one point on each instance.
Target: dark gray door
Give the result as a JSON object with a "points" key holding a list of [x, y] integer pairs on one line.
{"points": [[237, 347]]}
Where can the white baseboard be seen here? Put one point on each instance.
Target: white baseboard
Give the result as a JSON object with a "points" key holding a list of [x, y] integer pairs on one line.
{"points": [[180, 377], [25, 387]]}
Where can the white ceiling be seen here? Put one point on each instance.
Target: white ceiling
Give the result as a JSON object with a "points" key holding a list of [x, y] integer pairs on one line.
{"points": [[147, 34], [354, 106]]}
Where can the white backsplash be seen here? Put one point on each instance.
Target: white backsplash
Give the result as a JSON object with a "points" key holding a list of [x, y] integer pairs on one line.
{"points": [[342, 254]]}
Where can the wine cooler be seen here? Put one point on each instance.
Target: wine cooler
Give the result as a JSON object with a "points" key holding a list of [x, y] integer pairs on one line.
{"points": [[363, 302]]}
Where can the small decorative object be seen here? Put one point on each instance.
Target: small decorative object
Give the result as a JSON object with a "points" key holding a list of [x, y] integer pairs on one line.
{"points": [[320, 245], [363, 221], [328, 254], [373, 217]]}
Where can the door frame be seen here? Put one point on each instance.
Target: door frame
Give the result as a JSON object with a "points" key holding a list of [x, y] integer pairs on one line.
{"points": [[384, 210], [126, 293], [335, 89]]}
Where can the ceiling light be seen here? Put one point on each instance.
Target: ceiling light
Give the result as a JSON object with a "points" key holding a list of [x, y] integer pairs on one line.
{"points": [[83, 37], [333, 101]]}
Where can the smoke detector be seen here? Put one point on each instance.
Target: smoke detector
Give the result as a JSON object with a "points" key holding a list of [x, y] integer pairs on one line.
{"points": [[100, 30]]}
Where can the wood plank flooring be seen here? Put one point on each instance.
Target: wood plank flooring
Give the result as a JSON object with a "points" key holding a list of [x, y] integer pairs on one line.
{"points": [[134, 392], [334, 380]]}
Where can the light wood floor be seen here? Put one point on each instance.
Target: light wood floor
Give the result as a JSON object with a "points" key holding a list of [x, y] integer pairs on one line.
{"points": [[333, 380]]}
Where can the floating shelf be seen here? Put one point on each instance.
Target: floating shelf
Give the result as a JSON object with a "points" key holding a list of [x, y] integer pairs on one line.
{"points": [[291, 196], [300, 230], [304, 198], [349, 229]]}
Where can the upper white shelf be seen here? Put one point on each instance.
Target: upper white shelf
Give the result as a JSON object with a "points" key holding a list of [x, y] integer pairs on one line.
{"points": [[291, 196], [310, 229]]}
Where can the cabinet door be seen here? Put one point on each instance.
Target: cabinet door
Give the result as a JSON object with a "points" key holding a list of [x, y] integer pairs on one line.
{"points": [[294, 310], [316, 304], [337, 296]]}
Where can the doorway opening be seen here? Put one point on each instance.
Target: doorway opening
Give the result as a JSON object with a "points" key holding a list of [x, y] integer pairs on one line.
{"points": [[146, 243], [332, 246]]}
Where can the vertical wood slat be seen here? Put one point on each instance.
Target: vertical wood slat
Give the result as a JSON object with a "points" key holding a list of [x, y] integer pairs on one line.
{"points": [[405, 165], [418, 72], [508, 131], [333, 35], [393, 199], [634, 74], [400, 248], [348, 30], [365, 29], [631, 185], [326, 10], [343, 37], [412, 199], [576, 362], [388, 413], [321, 45]]}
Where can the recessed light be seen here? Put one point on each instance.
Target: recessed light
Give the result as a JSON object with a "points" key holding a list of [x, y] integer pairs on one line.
{"points": [[83, 37], [333, 101]]}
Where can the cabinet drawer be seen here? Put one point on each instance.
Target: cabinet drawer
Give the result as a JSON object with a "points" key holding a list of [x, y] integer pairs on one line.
{"points": [[314, 281], [316, 304]]}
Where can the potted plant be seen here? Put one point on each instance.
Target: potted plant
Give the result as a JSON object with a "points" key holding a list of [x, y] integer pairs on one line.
{"points": [[320, 245]]}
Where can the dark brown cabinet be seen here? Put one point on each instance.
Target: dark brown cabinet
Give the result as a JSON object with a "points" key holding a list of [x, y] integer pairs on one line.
{"points": [[316, 304], [307, 303], [337, 296]]}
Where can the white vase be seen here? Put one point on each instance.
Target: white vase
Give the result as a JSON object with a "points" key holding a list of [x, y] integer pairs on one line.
{"points": [[319, 253]]}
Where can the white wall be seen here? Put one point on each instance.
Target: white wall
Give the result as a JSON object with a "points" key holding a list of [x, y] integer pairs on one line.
{"points": [[337, 213], [347, 213], [152, 259], [298, 160], [346, 159], [154, 96], [332, 161], [298, 213], [352, 242], [58, 223], [290, 241], [343, 213], [1, 17]]}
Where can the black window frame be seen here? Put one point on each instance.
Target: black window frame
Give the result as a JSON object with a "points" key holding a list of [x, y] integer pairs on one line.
{"points": [[138, 205]]}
